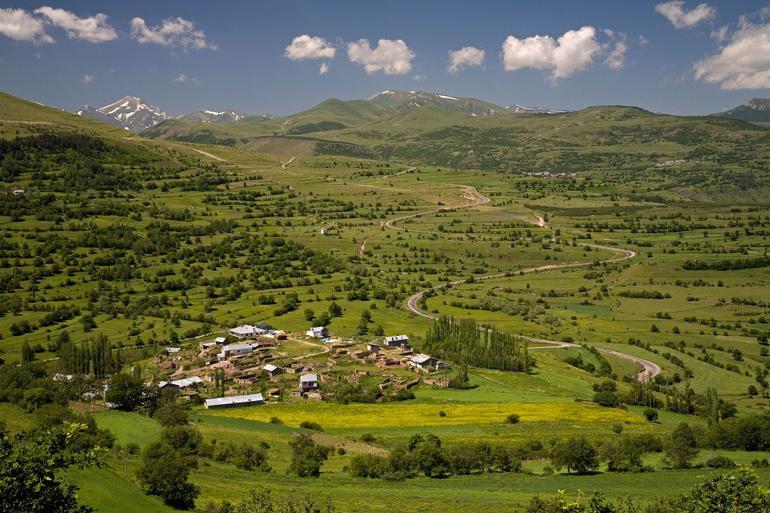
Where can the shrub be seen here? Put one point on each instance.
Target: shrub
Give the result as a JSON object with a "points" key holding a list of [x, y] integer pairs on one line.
{"points": [[720, 462], [313, 426], [513, 418], [651, 414]]}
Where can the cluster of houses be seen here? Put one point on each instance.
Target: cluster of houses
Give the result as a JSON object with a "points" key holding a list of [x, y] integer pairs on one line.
{"points": [[254, 354]]}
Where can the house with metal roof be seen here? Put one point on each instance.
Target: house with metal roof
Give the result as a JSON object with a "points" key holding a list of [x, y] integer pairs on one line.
{"points": [[318, 332], [247, 331], [234, 350], [427, 363], [233, 401], [182, 383], [308, 382], [272, 370], [401, 341]]}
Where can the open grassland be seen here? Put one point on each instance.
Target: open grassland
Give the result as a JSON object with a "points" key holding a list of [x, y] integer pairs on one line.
{"points": [[426, 415]]}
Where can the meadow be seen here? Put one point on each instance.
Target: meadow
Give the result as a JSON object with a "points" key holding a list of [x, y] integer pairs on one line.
{"points": [[176, 247]]}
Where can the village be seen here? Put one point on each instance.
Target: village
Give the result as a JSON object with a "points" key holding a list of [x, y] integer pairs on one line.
{"points": [[254, 365]]}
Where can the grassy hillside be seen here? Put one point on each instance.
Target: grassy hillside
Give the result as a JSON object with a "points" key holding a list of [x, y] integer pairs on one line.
{"points": [[19, 116], [584, 141]]}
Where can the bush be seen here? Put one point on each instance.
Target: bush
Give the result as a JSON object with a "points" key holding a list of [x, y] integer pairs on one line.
{"points": [[513, 418], [651, 414], [720, 462], [606, 398], [313, 426]]}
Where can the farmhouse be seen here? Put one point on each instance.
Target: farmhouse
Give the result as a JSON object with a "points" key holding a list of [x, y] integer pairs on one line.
{"points": [[272, 370], [373, 348], [181, 383], [401, 341], [427, 363], [308, 382], [236, 400], [220, 341], [246, 331], [234, 350], [172, 350], [318, 332]]}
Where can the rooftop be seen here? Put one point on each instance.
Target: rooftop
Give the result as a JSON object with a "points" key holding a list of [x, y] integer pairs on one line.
{"points": [[236, 399]]}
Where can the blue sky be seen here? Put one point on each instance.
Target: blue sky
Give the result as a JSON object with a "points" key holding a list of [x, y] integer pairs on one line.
{"points": [[682, 58]]}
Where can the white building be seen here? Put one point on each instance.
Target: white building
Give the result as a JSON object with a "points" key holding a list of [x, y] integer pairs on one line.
{"points": [[318, 332], [401, 341], [247, 331], [271, 369], [234, 350], [236, 400], [427, 363], [308, 382], [182, 383]]}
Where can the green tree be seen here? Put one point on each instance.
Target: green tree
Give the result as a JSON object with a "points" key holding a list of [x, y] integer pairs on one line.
{"points": [[125, 392], [164, 472], [30, 471], [306, 457], [27, 353], [576, 454], [681, 447]]}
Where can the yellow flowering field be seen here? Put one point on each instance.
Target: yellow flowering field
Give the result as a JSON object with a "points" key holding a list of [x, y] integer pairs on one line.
{"points": [[387, 415]]}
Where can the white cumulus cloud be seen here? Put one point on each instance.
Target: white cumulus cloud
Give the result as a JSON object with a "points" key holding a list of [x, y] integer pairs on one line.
{"points": [[572, 52], [88, 78], [466, 56], [306, 47], [171, 32], [742, 63], [323, 69], [20, 25], [93, 29], [616, 58], [391, 56], [681, 18]]}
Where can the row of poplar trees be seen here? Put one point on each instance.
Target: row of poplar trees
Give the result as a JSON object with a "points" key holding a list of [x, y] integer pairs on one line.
{"points": [[473, 344], [95, 358]]}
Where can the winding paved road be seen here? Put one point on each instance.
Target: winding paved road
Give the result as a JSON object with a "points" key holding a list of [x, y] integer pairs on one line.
{"points": [[649, 369]]}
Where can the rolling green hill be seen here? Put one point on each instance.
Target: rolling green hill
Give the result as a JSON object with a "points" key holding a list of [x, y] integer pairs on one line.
{"points": [[385, 127]]}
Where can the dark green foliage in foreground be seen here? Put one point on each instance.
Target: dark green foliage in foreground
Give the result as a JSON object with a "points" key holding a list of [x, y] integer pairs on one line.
{"points": [[479, 346], [29, 471]]}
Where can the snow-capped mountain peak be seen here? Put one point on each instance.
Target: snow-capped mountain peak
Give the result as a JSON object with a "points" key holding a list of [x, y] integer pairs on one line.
{"points": [[129, 112]]}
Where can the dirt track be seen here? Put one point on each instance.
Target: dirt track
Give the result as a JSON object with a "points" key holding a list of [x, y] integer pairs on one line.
{"points": [[649, 369]]}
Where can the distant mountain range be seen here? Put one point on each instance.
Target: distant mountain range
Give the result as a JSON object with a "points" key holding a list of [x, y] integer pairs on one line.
{"points": [[756, 110], [134, 114]]}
